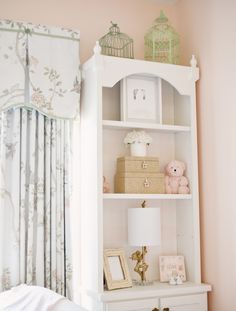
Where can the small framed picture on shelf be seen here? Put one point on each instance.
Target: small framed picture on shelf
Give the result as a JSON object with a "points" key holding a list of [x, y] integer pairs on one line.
{"points": [[140, 100], [171, 266], [116, 269]]}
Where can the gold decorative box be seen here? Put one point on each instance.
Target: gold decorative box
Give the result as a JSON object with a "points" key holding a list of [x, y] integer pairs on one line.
{"points": [[138, 165], [139, 183]]}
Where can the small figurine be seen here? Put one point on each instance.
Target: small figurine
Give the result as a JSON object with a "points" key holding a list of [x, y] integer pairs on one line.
{"points": [[176, 280], [106, 187], [179, 280], [172, 280]]}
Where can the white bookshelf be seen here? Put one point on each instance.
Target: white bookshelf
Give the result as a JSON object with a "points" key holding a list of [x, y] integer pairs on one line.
{"points": [[104, 215]]}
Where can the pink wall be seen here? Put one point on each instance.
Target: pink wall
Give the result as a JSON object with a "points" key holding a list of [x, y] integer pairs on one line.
{"points": [[91, 17], [208, 28]]}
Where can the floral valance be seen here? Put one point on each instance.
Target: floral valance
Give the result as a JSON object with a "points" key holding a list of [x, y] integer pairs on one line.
{"points": [[39, 68]]}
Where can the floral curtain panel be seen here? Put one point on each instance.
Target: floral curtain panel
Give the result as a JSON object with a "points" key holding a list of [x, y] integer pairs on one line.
{"points": [[34, 200], [39, 96], [39, 68]]}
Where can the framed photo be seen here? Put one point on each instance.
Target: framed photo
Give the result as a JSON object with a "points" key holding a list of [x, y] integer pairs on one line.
{"points": [[140, 99], [116, 269], [171, 266]]}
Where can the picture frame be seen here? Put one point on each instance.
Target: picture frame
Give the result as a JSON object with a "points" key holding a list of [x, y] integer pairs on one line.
{"points": [[140, 99], [116, 269], [171, 266]]}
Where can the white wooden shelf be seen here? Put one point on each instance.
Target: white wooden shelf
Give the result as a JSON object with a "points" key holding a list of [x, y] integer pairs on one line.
{"points": [[157, 289], [120, 125], [144, 196]]}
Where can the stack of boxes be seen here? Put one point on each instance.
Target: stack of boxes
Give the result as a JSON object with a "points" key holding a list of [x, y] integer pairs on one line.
{"points": [[139, 175]]}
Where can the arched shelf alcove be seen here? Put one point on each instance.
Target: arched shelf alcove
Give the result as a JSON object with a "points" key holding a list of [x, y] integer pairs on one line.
{"points": [[115, 69], [172, 109]]}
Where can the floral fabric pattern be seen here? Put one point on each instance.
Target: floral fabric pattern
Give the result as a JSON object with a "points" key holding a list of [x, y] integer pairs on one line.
{"points": [[34, 201], [39, 68]]}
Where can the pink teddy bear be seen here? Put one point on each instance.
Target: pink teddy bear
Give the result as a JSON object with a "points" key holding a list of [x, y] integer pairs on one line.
{"points": [[175, 182]]}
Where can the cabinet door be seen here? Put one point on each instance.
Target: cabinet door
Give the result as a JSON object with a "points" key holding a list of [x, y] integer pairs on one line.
{"points": [[134, 305], [184, 303]]}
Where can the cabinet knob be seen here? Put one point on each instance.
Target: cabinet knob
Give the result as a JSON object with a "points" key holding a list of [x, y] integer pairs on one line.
{"points": [[144, 165], [155, 309], [166, 309], [146, 183]]}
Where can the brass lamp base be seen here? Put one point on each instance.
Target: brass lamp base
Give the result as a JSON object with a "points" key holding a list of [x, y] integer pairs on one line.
{"points": [[141, 266], [142, 283]]}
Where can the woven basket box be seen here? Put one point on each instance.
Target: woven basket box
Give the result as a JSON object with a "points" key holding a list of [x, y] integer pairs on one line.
{"points": [[138, 164], [139, 183]]}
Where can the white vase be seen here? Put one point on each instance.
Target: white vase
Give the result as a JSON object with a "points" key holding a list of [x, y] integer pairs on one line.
{"points": [[138, 149]]}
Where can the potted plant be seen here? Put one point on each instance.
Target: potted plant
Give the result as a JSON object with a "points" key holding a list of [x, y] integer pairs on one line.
{"points": [[138, 141]]}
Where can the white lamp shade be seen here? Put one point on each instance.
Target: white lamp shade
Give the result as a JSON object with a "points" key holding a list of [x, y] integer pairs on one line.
{"points": [[144, 226]]}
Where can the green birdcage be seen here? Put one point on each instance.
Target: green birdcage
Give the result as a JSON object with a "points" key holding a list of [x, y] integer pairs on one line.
{"points": [[162, 42], [116, 43]]}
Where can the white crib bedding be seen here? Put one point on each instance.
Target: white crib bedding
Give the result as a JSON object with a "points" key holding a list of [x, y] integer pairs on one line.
{"points": [[67, 305], [34, 298]]}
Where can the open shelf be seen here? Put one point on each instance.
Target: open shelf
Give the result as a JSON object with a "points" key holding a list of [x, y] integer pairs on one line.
{"points": [[143, 196], [110, 124]]}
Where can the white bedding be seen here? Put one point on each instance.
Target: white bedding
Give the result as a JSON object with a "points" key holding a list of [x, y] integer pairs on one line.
{"points": [[67, 306], [34, 298]]}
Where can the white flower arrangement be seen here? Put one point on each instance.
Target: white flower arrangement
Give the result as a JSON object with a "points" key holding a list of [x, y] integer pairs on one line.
{"points": [[137, 137]]}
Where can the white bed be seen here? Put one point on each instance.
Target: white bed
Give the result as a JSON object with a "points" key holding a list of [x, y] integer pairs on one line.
{"points": [[67, 306], [35, 298]]}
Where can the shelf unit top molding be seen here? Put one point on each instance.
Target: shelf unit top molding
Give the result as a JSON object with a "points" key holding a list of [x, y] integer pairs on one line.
{"points": [[114, 69]]}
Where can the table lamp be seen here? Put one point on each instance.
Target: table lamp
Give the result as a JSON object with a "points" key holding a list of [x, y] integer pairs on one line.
{"points": [[143, 230]]}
